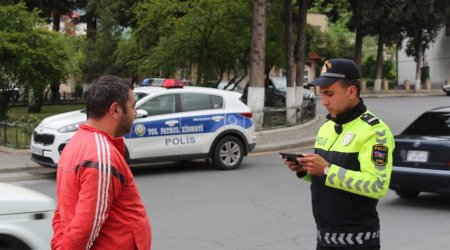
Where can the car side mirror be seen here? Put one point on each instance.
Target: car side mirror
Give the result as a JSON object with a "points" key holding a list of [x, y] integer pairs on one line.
{"points": [[140, 113]]}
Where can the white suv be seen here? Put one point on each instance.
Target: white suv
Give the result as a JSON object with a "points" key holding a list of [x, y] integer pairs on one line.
{"points": [[25, 218], [173, 123]]}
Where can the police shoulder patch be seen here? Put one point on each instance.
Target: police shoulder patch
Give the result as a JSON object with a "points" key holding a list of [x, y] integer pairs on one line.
{"points": [[370, 119], [380, 154]]}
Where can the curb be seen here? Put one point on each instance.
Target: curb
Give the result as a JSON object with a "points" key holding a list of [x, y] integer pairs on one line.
{"points": [[19, 169], [289, 145], [14, 150], [307, 141], [284, 129]]}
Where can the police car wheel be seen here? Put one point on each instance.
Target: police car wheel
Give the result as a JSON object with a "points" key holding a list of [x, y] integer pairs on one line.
{"points": [[228, 153]]}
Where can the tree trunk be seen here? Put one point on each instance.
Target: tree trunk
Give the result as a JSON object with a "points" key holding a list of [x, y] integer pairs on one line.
{"points": [[419, 59], [56, 16], [4, 104], [358, 47], [91, 26], [379, 68], [300, 60], [418, 68], [289, 56], [36, 101], [256, 91]]}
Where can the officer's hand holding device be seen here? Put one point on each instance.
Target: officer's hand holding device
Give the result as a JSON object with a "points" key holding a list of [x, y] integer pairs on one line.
{"points": [[291, 157]]}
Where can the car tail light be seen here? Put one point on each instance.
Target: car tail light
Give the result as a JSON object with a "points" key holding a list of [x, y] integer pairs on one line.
{"points": [[247, 114], [172, 83]]}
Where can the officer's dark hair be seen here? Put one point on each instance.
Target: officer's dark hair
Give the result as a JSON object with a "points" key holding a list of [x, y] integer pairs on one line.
{"points": [[104, 91], [352, 82]]}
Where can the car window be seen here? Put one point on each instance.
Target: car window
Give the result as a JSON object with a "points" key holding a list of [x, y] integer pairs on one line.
{"points": [[193, 102], [139, 96], [159, 105], [430, 123]]}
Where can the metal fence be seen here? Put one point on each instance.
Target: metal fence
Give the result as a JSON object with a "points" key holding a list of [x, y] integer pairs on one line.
{"points": [[15, 134]]}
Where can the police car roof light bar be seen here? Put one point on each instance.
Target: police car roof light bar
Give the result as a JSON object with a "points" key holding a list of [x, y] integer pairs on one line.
{"points": [[172, 83]]}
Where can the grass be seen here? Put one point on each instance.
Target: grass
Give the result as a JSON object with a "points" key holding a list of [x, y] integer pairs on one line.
{"points": [[17, 113]]}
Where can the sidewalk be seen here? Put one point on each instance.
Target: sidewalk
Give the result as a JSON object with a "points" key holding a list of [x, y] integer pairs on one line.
{"points": [[290, 137], [268, 140]]}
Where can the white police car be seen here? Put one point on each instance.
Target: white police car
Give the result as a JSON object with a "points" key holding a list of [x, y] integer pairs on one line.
{"points": [[173, 123]]}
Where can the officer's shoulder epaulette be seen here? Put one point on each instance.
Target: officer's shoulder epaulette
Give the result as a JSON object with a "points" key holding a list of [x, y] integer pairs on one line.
{"points": [[370, 119]]}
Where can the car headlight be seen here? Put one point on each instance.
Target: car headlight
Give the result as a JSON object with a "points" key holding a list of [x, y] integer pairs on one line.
{"points": [[70, 128]]}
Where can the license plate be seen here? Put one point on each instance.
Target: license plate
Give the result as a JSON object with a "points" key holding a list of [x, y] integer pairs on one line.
{"points": [[417, 156], [36, 151]]}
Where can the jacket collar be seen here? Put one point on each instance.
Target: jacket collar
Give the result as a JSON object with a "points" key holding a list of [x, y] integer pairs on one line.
{"points": [[118, 142], [349, 115]]}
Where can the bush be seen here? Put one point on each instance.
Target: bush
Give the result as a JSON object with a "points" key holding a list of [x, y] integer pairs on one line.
{"points": [[78, 91]]}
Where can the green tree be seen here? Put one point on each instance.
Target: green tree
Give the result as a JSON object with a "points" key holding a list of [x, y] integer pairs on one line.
{"points": [[385, 23], [50, 10], [102, 40], [174, 35], [369, 68], [355, 15], [423, 21], [34, 57]]}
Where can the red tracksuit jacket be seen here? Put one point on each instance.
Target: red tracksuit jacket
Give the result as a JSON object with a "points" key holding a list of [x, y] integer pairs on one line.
{"points": [[98, 204]]}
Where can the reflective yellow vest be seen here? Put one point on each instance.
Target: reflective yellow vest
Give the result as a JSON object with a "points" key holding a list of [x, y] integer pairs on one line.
{"points": [[344, 201]]}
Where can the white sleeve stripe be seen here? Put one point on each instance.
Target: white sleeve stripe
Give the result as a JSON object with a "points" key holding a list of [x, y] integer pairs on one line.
{"points": [[102, 197], [91, 238], [106, 181], [103, 186]]}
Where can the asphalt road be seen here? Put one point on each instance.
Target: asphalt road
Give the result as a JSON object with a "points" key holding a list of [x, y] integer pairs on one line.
{"points": [[262, 206]]}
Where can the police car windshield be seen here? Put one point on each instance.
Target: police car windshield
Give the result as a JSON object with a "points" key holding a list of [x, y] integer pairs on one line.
{"points": [[139, 95]]}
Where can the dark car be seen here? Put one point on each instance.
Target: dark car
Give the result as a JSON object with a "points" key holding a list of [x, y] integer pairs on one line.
{"points": [[275, 94], [422, 155]]}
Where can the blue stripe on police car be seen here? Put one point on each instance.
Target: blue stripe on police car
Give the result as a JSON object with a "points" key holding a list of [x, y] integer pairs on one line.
{"points": [[188, 125]]}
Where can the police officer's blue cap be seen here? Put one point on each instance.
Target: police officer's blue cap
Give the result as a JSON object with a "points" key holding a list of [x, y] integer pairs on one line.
{"points": [[336, 69]]}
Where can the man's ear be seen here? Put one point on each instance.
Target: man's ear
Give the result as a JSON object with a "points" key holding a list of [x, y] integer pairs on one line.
{"points": [[114, 110], [353, 92]]}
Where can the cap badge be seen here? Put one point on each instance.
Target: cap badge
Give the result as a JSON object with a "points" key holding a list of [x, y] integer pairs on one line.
{"points": [[326, 66]]}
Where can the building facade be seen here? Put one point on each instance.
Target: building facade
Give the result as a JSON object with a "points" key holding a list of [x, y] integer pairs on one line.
{"points": [[436, 57]]}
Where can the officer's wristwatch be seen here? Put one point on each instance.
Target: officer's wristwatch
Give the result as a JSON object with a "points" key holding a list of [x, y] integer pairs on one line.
{"points": [[325, 170]]}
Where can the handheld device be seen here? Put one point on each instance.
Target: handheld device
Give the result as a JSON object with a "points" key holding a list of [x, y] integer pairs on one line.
{"points": [[291, 156]]}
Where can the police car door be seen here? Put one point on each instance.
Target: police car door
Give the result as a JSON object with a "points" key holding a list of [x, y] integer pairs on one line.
{"points": [[202, 118], [151, 136]]}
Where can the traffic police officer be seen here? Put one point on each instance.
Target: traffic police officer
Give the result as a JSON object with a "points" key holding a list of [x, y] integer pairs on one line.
{"points": [[351, 165]]}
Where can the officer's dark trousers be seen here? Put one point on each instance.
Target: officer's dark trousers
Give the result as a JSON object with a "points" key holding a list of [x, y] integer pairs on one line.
{"points": [[319, 247]]}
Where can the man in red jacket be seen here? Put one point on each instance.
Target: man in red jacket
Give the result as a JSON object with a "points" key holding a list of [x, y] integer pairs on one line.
{"points": [[99, 206]]}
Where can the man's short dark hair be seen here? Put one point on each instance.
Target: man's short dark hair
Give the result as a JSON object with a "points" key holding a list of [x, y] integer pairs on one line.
{"points": [[104, 91], [352, 82]]}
